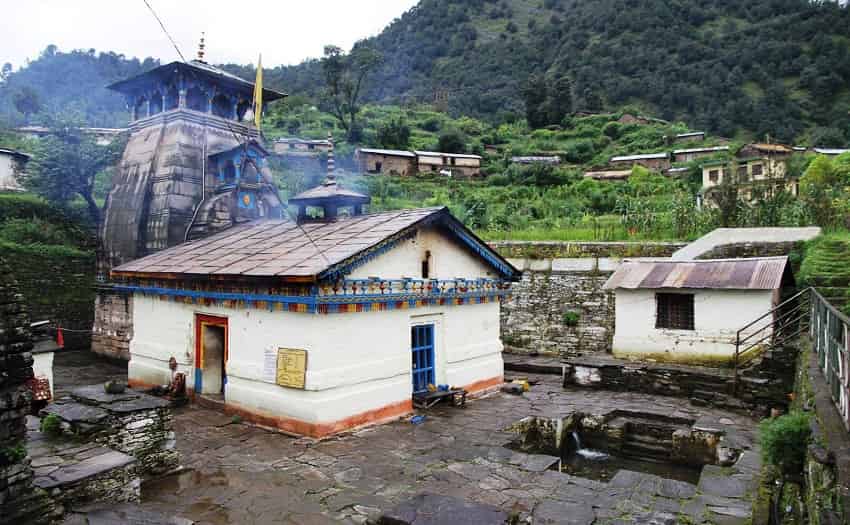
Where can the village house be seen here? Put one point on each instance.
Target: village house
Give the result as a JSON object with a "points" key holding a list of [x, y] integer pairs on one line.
{"points": [[389, 161], [653, 161], [687, 155], [690, 311], [759, 170], [326, 324], [460, 165], [12, 165], [691, 136], [297, 146]]}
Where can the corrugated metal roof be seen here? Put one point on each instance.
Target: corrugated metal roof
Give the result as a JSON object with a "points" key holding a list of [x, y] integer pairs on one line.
{"points": [[389, 152], [763, 273], [700, 150], [642, 156], [284, 249], [450, 155], [830, 151]]}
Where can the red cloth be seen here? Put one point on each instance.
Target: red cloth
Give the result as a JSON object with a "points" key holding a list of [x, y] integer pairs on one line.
{"points": [[60, 340]]}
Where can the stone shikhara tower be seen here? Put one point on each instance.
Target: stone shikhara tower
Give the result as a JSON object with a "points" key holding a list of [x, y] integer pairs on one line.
{"points": [[193, 165]]}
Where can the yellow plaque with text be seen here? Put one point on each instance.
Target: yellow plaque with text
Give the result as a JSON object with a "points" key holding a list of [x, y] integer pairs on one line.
{"points": [[291, 367]]}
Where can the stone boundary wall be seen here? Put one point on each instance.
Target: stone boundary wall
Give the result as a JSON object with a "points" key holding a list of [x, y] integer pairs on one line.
{"points": [[20, 501], [582, 249], [57, 287], [752, 249], [559, 308], [827, 463]]}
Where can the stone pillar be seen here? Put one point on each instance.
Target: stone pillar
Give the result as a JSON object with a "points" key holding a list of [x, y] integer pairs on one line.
{"points": [[181, 98], [20, 501], [209, 105], [235, 112], [148, 108], [163, 101]]}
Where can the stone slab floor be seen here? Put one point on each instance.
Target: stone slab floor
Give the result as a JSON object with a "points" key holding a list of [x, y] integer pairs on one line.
{"points": [[240, 474]]}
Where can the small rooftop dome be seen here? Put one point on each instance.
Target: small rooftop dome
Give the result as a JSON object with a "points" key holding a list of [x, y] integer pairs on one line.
{"points": [[329, 196]]}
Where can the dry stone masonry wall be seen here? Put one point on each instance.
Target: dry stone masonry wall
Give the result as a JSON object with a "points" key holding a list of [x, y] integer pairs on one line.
{"points": [[20, 501]]}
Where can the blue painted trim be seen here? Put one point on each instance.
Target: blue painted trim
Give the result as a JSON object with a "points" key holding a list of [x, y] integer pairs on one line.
{"points": [[481, 249], [312, 302]]}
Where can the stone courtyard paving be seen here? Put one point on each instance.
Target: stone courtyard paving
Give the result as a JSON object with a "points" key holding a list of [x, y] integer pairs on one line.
{"points": [[237, 473]]}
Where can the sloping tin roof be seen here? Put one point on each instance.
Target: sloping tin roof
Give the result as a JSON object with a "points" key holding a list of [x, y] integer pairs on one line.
{"points": [[764, 273], [641, 156], [421, 153], [306, 252], [387, 152]]}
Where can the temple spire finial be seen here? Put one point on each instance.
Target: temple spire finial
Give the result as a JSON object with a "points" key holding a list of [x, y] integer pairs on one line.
{"points": [[331, 176], [201, 47]]}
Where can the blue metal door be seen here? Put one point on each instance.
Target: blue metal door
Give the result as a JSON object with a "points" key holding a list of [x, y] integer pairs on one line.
{"points": [[422, 343]]}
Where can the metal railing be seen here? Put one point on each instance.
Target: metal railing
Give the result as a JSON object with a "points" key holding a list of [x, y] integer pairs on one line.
{"points": [[830, 332], [782, 324]]}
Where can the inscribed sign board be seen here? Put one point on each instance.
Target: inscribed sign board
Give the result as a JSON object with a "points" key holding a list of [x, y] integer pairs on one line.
{"points": [[291, 367]]}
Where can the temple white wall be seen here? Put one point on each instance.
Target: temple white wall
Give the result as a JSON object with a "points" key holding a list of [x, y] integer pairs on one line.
{"points": [[718, 315], [448, 260], [356, 362]]}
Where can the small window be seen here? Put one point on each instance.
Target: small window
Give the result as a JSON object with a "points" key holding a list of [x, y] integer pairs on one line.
{"points": [[714, 175], [674, 311], [757, 170], [378, 166], [426, 265]]}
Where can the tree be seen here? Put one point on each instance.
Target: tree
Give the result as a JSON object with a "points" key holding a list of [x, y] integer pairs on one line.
{"points": [[534, 93], [726, 199], [344, 79], [5, 72], [560, 100], [451, 141], [27, 102], [394, 134], [65, 165]]}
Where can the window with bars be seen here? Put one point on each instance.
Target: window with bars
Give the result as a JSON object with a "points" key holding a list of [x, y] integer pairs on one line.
{"points": [[674, 310]]}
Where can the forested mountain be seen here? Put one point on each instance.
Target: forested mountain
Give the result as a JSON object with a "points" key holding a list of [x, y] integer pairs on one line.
{"points": [[72, 84], [778, 67]]}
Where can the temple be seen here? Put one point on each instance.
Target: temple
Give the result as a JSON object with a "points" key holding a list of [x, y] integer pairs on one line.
{"points": [[193, 166]]}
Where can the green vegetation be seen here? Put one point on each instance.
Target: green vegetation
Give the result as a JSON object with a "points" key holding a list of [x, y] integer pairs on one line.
{"points": [[825, 267], [51, 425], [784, 439], [13, 453], [571, 318], [29, 222]]}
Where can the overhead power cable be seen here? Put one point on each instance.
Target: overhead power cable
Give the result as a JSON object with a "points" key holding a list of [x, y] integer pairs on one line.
{"points": [[165, 30]]}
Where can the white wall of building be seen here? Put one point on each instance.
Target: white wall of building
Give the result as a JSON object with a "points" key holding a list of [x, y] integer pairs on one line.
{"points": [[356, 362], [448, 260], [718, 315], [42, 366], [8, 173]]}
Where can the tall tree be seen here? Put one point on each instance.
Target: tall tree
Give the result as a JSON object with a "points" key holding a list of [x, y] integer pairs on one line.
{"points": [[65, 165], [27, 102], [534, 93], [560, 100], [344, 81]]}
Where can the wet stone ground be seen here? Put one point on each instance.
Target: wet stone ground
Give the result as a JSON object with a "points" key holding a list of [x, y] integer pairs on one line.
{"points": [[237, 473]]}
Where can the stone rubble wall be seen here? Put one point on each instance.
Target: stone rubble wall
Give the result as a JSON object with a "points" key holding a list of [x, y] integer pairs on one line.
{"points": [[113, 323], [559, 313], [146, 435], [751, 249], [58, 288], [20, 501], [583, 249]]}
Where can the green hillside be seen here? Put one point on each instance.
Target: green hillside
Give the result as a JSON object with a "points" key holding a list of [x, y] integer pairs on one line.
{"points": [[778, 67]]}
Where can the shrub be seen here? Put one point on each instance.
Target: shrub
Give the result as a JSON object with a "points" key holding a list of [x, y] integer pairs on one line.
{"points": [[784, 440], [32, 231], [51, 425], [571, 318]]}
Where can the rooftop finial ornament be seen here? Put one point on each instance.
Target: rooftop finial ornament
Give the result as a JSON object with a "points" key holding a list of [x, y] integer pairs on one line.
{"points": [[201, 47], [331, 177]]}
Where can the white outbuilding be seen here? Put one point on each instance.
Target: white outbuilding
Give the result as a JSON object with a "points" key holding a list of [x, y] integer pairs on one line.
{"points": [[324, 324], [691, 311]]}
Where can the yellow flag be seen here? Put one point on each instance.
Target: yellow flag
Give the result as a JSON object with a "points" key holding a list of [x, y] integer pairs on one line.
{"points": [[258, 94]]}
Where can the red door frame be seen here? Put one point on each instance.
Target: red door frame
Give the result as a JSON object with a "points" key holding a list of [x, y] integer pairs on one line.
{"points": [[202, 320]]}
